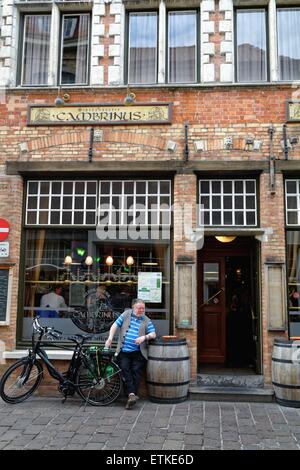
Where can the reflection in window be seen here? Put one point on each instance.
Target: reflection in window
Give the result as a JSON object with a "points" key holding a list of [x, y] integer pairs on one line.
{"points": [[142, 48], [68, 282], [251, 39], [75, 47], [210, 281], [293, 272], [182, 40], [36, 46], [288, 21]]}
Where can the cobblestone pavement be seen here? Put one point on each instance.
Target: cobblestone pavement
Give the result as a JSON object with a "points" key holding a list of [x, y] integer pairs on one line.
{"points": [[46, 423]]}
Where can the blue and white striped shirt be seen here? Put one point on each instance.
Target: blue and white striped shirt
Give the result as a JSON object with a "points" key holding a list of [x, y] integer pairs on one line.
{"points": [[133, 331]]}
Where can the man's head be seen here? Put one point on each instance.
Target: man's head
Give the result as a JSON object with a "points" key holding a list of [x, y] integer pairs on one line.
{"points": [[138, 307], [58, 290]]}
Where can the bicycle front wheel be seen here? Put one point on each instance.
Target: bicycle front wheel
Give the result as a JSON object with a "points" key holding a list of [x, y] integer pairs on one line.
{"points": [[99, 390], [20, 381]]}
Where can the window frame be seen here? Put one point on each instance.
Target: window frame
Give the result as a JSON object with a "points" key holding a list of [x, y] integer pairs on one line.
{"points": [[61, 42], [281, 6], [252, 8], [233, 210], [198, 46], [127, 54], [21, 47]]}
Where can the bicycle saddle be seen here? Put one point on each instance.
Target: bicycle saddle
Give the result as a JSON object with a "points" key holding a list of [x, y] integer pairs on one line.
{"points": [[78, 337]]}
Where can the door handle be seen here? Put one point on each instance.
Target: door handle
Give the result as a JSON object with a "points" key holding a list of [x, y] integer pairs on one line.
{"points": [[212, 297]]}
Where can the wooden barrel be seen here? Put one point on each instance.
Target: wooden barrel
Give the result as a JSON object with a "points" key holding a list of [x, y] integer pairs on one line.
{"points": [[286, 372], [168, 370]]}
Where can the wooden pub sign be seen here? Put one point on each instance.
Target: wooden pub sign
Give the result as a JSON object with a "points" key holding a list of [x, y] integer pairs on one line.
{"points": [[99, 114]]}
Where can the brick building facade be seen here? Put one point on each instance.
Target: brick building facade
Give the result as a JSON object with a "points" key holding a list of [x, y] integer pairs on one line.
{"points": [[229, 146]]}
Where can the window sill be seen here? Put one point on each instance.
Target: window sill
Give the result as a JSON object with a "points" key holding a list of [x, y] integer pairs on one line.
{"points": [[156, 86], [57, 354]]}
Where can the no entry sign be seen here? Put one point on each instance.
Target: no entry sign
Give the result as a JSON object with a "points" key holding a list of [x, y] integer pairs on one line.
{"points": [[4, 229]]}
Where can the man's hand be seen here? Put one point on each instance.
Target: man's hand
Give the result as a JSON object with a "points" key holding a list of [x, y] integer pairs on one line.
{"points": [[108, 343], [140, 339]]}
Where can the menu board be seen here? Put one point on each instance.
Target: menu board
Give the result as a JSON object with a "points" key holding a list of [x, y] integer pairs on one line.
{"points": [[149, 287], [4, 276]]}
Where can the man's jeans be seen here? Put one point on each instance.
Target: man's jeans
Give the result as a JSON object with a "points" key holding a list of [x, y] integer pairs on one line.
{"points": [[132, 365]]}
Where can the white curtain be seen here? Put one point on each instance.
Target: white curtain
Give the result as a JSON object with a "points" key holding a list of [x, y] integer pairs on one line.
{"points": [[142, 57], [36, 49], [182, 38], [251, 46], [82, 49], [288, 26]]}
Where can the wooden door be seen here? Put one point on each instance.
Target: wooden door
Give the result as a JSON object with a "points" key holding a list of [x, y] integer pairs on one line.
{"points": [[212, 309]]}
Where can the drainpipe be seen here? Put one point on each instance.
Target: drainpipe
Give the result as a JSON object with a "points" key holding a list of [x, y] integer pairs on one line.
{"points": [[271, 131], [285, 143], [186, 143], [90, 152]]}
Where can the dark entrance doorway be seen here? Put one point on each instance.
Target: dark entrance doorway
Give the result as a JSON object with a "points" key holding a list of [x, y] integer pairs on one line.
{"points": [[227, 319]]}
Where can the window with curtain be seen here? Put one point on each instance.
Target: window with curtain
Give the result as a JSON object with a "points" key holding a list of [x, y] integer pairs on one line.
{"points": [[75, 49], [36, 46], [182, 49], [251, 44], [288, 32], [142, 47]]}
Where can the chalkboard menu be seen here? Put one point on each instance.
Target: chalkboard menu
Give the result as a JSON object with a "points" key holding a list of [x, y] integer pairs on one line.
{"points": [[4, 274]]}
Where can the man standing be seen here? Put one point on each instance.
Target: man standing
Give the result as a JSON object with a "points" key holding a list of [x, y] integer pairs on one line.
{"points": [[136, 329]]}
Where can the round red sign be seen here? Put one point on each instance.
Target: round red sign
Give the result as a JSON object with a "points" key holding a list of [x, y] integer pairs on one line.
{"points": [[4, 229]]}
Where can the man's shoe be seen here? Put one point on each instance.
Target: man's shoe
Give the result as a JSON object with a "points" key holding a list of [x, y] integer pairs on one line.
{"points": [[132, 399]]}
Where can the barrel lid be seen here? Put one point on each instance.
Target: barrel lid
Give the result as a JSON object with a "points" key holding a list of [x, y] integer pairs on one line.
{"points": [[283, 341], [168, 341]]}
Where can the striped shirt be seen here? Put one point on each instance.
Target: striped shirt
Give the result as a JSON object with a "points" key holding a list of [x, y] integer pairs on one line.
{"points": [[133, 331]]}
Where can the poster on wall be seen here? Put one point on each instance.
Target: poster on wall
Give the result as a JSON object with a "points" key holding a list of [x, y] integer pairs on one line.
{"points": [[149, 287]]}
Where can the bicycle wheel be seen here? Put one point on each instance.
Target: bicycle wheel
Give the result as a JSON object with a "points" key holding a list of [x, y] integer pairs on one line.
{"points": [[99, 390], [20, 381]]}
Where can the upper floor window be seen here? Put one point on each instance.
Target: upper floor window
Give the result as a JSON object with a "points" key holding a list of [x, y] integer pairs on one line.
{"points": [[251, 45], [288, 31], [36, 47], [182, 46], [75, 48], [37, 67], [181, 38], [142, 48]]}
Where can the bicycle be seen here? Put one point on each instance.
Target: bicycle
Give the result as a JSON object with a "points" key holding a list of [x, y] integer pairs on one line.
{"points": [[92, 373]]}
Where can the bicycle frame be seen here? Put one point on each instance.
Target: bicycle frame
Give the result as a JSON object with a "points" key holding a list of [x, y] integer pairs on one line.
{"points": [[74, 364]]}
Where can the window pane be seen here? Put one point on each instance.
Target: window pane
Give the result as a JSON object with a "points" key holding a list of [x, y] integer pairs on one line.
{"points": [[142, 48], [204, 187], [227, 218], [251, 45], [36, 49], [33, 187], [75, 49], [182, 38], [288, 21], [291, 187], [54, 218]]}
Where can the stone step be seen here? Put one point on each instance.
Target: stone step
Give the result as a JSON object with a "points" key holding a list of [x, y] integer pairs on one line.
{"points": [[246, 394], [230, 380]]}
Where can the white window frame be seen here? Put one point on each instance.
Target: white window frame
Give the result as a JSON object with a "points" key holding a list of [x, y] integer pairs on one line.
{"points": [[61, 49], [158, 210], [196, 49], [61, 196], [297, 195], [23, 49], [233, 210], [157, 45]]}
